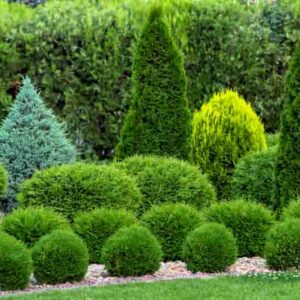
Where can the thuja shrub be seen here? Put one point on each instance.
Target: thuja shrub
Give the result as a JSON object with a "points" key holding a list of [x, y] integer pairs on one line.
{"points": [[209, 248], [97, 226], [163, 179], [253, 177], [159, 94], [170, 224], [248, 221], [30, 224], [132, 251], [224, 130], [287, 180], [80, 187], [282, 250], [291, 211], [15, 263], [30, 139], [59, 257]]}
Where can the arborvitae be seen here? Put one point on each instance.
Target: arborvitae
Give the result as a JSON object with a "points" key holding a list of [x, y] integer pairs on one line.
{"points": [[30, 139], [287, 169], [159, 120]]}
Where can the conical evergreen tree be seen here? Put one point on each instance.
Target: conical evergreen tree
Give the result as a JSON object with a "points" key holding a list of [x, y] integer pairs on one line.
{"points": [[159, 120], [287, 169], [30, 139]]}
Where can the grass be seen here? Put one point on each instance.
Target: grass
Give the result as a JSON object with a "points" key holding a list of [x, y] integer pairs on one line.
{"points": [[265, 287]]}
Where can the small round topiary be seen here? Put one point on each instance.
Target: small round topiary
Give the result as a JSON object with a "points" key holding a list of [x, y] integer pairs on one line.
{"points": [[80, 187], [30, 224], [97, 226], [3, 179], [163, 179], [292, 211], [170, 224], [224, 130], [132, 251], [248, 221], [209, 248], [253, 177], [15, 263], [282, 250], [59, 257]]}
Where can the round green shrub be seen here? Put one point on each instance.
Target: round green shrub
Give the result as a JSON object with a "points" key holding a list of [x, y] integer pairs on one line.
{"points": [[209, 248], [170, 224], [60, 256], [132, 251], [292, 211], [248, 221], [224, 130], [30, 224], [253, 177], [282, 250], [80, 187], [15, 263], [163, 179], [97, 226]]}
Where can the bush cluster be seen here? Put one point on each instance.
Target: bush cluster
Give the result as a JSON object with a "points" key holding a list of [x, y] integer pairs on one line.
{"points": [[97, 226], [209, 248], [248, 221]]}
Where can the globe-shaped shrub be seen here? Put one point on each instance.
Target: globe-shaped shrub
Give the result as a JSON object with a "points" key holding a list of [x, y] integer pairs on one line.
{"points": [[98, 225], [253, 177], [282, 249], [162, 179], [15, 263], [59, 257], [224, 130], [80, 187], [132, 251], [292, 211], [170, 224], [30, 224], [209, 248], [248, 221]]}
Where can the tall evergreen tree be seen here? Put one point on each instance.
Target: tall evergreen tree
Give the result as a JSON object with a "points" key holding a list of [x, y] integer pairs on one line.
{"points": [[287, 169], [159, 120], [30, 139]]}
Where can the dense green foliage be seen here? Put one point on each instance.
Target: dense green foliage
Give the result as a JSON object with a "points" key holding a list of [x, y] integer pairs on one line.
{"points": [[287, 181], [291, 211], [282, 249], [30, 224], [159, 94], [248, 221], [162, 179], [59, 257], [97, 226], [131, 251], [272, 139], [224, 130], [80, 187], [170, 224], [30, 139], [15, 263], [209, 248], [253, 177], [3, 180]]}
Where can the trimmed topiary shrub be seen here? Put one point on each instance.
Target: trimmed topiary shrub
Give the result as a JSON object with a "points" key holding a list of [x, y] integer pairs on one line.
{"points": [[248, 221], [253, 177], [15, 263], [159, 120], [30, 139], [59, 257], [97, 226], [287, 179], [80, 187], [30, 224], [132, 251], [292, 211], [209, 248], [170, 224], [282, 250], [224, 130], [162, 179]]}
